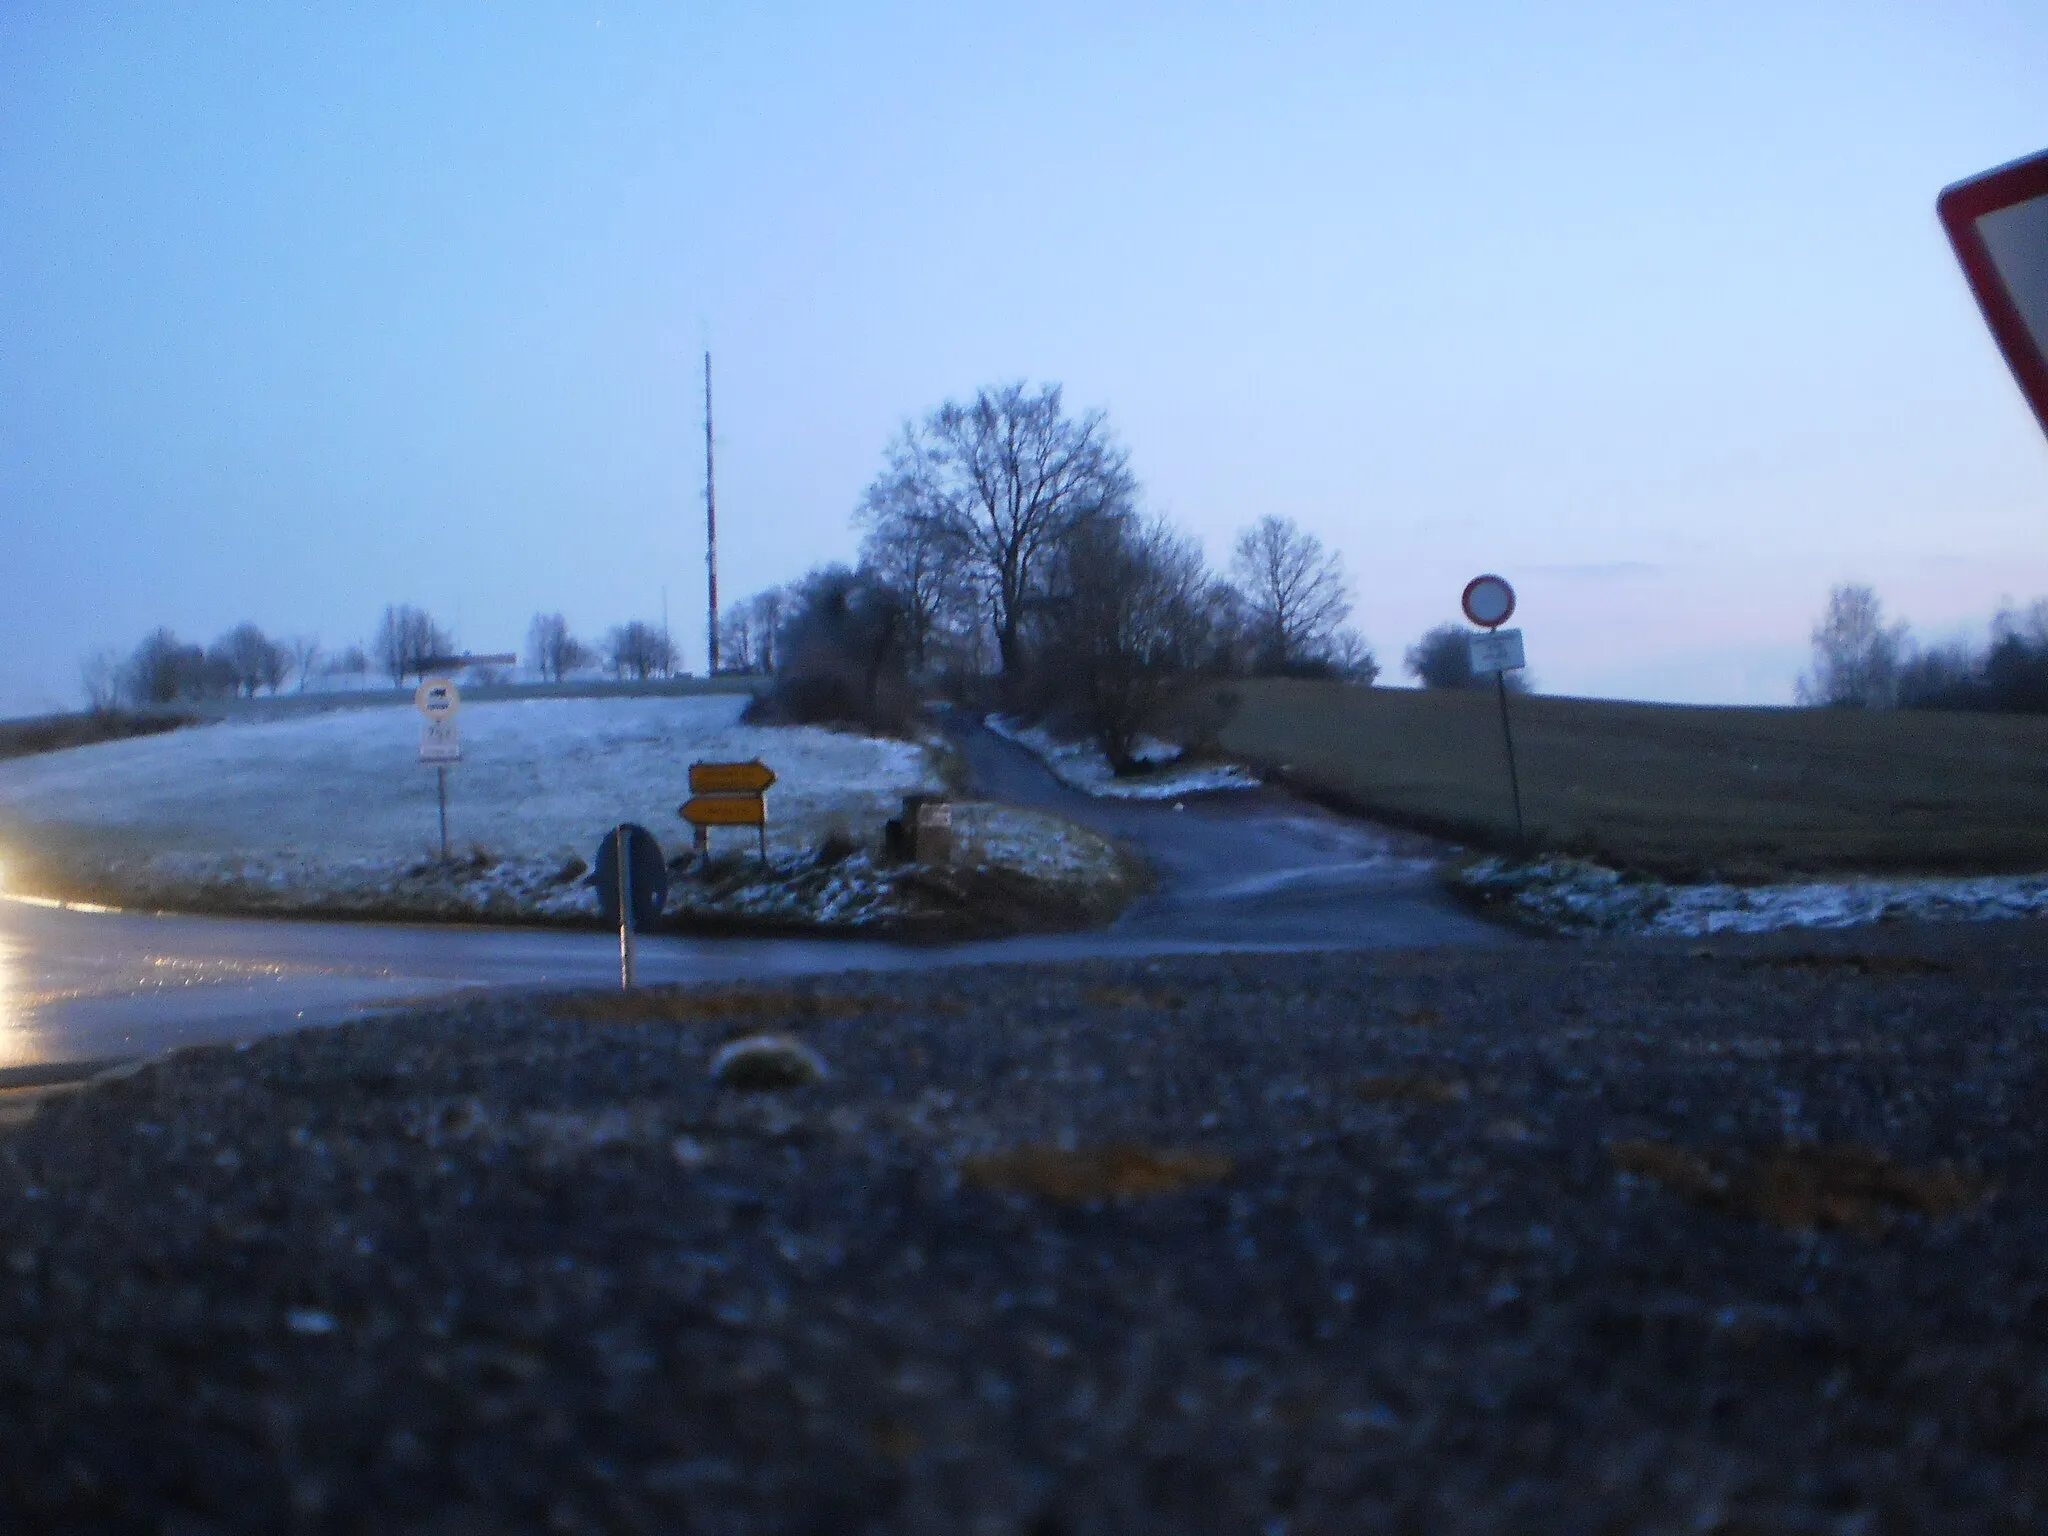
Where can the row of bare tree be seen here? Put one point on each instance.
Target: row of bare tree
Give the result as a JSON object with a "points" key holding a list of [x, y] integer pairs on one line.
{"points": [[1861, 660], [636, 650], [1004, 538], [164, 670]]}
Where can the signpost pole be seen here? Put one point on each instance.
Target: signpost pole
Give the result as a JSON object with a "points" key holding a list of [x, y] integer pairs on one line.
{"points": [[1500, 682], [1489, 602], [625, 911], [436, 701]]}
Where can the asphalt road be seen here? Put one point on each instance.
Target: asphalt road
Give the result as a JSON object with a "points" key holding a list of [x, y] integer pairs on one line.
{"points": [[1240, 870], [1248, 866]]}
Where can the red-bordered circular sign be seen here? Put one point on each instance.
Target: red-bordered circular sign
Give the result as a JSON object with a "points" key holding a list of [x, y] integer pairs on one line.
{"points": [[1488, 601]]}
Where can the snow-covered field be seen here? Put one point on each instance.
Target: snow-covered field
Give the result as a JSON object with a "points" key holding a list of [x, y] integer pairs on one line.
{"points": [[1575, 897], [1081, 765], [333, 812]]}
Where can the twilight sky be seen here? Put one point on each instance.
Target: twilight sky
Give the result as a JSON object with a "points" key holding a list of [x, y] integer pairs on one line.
{"points": [[306, 310]]}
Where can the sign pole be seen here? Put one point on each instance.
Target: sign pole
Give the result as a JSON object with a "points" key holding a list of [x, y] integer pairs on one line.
{"points": [[625, 912], [1489, 602], [1500, 682], [440, 745]]}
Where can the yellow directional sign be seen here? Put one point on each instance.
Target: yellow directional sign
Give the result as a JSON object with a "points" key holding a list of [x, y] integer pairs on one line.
{"points": [[725, 811], [730, 779]]}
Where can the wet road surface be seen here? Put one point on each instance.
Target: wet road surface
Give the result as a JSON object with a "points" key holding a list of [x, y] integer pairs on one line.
{"points": [[1238, 870], [1248, 866]]}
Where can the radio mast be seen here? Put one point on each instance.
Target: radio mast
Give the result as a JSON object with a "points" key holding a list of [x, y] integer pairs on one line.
{"points": [[710, 527]]}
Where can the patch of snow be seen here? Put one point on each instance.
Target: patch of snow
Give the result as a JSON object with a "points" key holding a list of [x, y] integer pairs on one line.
{"points": [[1574, 896], [333, 811], [987, 835], [1081, 765]]}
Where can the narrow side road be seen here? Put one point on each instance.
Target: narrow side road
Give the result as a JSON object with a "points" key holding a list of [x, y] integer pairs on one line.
{"points": [[1247, 870], [1247, 866]]}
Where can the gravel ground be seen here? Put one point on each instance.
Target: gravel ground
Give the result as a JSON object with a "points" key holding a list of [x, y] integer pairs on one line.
{"points": [[1621, 1236]]}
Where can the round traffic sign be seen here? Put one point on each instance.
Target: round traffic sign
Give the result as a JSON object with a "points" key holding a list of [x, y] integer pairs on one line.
{"points": [[1488, 601], [646, 875], [436, 698]]}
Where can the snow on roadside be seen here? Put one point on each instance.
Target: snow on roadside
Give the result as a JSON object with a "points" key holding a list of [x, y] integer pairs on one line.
{"points": [[332, 812], [1574, 896], [1068, 866], [1081, 765], [537, 776]]}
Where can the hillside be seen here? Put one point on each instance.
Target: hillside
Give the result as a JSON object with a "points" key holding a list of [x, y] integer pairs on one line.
{"points": [[331, 814]]}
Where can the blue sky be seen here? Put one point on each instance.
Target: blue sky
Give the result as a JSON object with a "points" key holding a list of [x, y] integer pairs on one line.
{"points": [[1644, 307]]}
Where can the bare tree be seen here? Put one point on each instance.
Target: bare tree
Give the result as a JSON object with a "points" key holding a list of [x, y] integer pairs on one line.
{"points": [[1352, 659], [749, 633], [100, 673], [250, 659], [276, 666], [305, 655], [352, 662], [842, 654], [551, 650], [1127, 620], [162, 670], [640, 651], [1004, 478], [1856, 655], [407, 638], [1442, 658], [1294, 590], [2028, 625], [735, 641], [914, 548]]}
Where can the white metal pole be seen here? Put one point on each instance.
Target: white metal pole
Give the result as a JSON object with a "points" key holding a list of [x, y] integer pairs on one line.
{"points": [[625, 912]]}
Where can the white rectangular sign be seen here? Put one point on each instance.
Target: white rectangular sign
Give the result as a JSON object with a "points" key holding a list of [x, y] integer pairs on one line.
{"points": [[1498, 651], [439, 741]]}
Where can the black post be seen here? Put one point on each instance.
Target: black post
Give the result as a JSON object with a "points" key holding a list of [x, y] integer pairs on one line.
{"points": [[441, 793], [625, 911], [1500, 681]]}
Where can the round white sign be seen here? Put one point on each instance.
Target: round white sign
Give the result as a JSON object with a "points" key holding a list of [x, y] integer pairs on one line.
{"points": [[437, 698], [1488, 601]]}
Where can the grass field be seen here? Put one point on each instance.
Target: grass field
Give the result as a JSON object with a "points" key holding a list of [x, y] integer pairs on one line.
{"points": [[1678, 791], [54, 733]]}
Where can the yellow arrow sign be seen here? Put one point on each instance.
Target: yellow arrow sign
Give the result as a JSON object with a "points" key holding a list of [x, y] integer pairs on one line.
{"points": [[730, 778], [725, 811]]}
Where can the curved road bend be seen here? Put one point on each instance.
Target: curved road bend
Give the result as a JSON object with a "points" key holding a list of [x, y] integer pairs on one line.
{"points": [[1245, 869], [1247, 866]]}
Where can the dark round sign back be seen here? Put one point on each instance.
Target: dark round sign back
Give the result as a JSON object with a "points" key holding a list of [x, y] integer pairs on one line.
{"points": [[644, 863], [1488, 601]]}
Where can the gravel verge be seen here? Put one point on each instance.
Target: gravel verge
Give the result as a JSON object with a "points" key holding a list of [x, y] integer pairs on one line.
{"points": [[1623, 1235]]}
